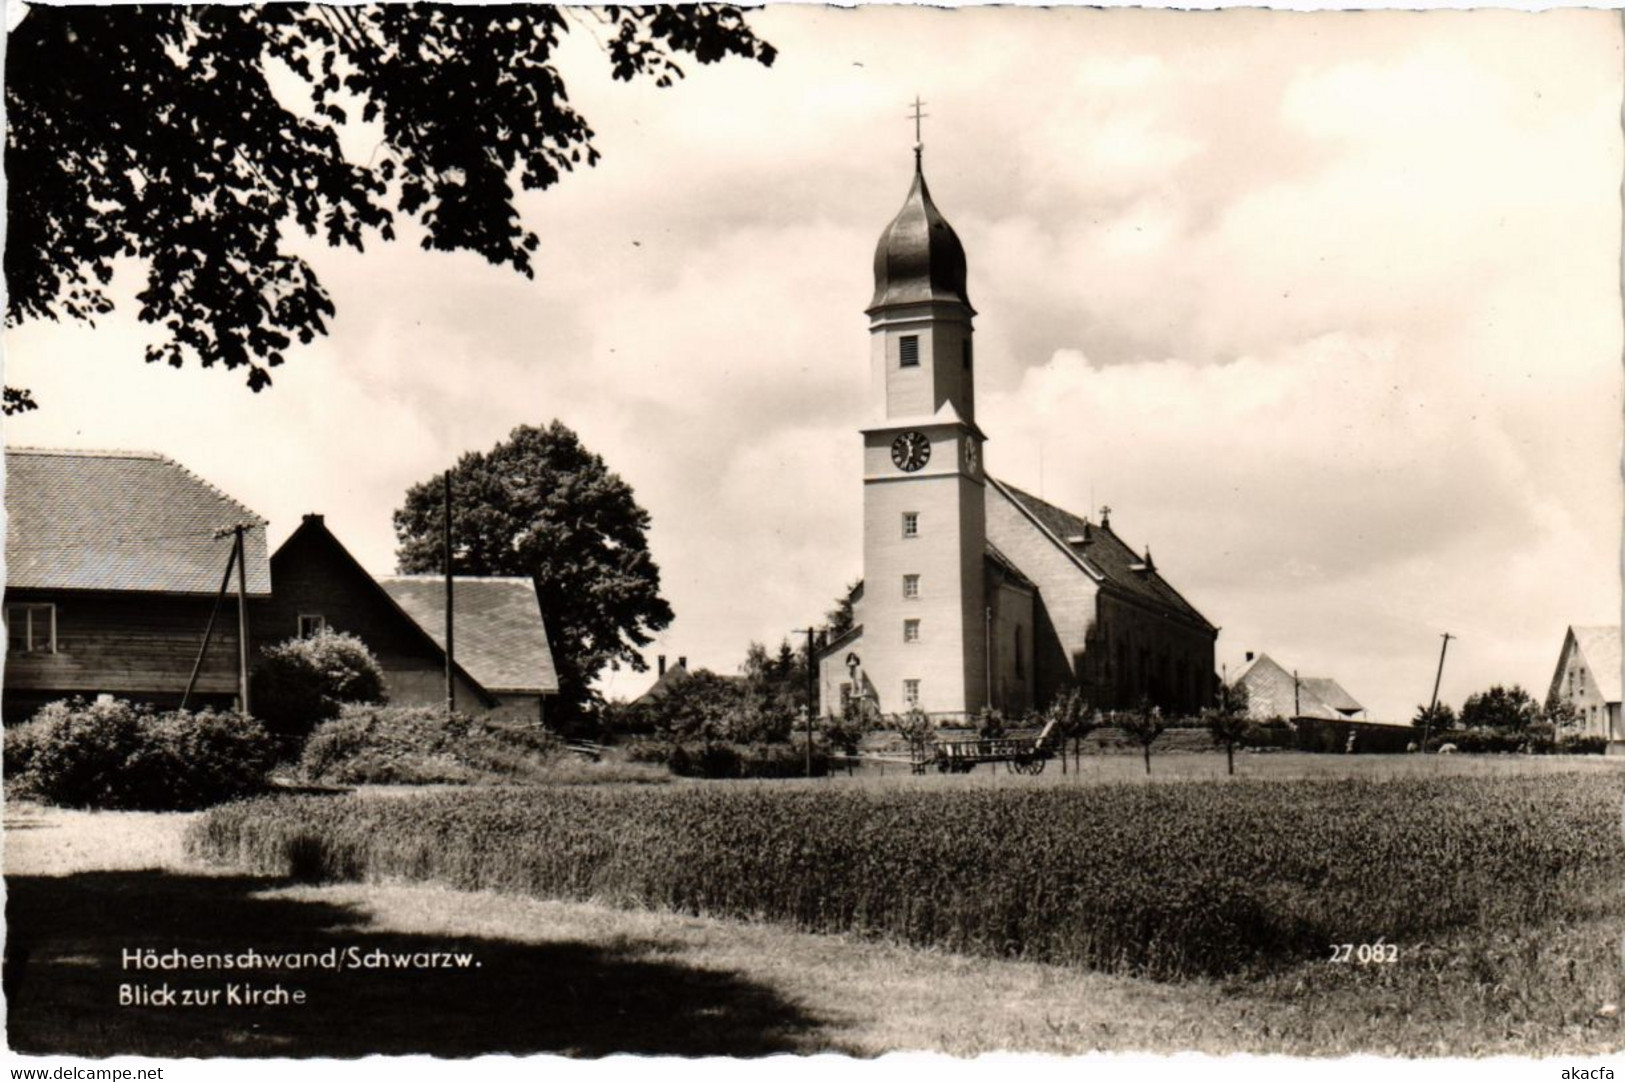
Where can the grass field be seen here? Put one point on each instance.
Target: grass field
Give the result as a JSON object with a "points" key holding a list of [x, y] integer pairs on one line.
{"points": [[588, 978]]}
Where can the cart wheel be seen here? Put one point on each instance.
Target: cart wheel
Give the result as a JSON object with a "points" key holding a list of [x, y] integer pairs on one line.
{"points": [[1036, 766]]}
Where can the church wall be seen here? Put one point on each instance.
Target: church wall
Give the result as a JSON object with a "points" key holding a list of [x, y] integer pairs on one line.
{"points": [[1139, 653], [1065, 611], [1012, 623]]}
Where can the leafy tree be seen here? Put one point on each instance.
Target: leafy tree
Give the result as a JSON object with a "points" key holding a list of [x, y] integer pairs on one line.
{"points": [[541, 505], [1074, 720], [1562, 715], [301, 683], [839, 620], [1143, 726], [168, 133], [703, 707], [1509, 708], [1437, 719], [1229, 723], [776, 684]]}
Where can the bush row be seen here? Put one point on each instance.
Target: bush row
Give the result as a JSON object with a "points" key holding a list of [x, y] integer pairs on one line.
{"points": [[121, 756], [721, 759]]}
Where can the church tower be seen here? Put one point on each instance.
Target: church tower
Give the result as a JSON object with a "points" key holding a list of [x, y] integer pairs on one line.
{"points": [[924, 535]]}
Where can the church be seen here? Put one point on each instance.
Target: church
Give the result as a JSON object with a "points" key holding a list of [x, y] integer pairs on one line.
{"points": [[976, 594]]}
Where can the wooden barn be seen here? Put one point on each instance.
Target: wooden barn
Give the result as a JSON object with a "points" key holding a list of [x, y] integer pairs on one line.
{"points": [[114, 560], [503, 664]]}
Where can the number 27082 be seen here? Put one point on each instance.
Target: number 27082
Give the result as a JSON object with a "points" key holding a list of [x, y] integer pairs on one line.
{"points": [[1365, 954]]}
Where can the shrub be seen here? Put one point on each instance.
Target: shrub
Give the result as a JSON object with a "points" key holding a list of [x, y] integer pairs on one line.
{"points": [[116, 755], [1582, 745], [718, 759], [421, 745], [301, 683]]}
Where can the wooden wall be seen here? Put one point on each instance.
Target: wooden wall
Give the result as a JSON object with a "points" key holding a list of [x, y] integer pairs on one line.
{"points": [[313, 574], [134, 646]]}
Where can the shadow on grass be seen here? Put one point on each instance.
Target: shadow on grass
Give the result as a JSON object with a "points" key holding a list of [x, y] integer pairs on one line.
{"points": [[63, 972]]}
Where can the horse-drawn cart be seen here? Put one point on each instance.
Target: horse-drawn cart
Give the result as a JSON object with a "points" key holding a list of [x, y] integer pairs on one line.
{"points": [[1020, 754]]}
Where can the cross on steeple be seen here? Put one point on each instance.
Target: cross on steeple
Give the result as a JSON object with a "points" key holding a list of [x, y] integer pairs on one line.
{"points": [[1106, 515], [917, 116]]}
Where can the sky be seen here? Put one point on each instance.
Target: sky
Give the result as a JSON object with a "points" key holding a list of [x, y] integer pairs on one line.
{"points": [[1325, 306]]}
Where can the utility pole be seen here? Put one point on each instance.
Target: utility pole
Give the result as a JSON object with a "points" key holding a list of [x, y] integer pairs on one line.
{"points": [[1427, 721], [242, 618], [214, 614], [445, 548], [812, 689]]}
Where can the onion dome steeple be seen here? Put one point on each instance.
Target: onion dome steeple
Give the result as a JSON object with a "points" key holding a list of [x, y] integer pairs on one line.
{"points": [[919, 258]]}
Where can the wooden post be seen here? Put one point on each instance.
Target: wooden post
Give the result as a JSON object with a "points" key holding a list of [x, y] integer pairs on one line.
{"points": [[242, 620], [208, 629], [1427, 722], [445, 540], [812, 695]]}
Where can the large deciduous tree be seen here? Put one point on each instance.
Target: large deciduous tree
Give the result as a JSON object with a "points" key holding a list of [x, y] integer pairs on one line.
{"points": [[540, 505], [197, 139]]}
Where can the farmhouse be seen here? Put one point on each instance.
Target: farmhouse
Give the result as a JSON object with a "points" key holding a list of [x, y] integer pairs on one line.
{"points": [[1588, 678], [114, 560], [977, 594], [1274, 692], [502, 660]]}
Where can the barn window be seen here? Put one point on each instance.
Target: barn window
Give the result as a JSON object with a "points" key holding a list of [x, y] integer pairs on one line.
{"points": [[908, 351], [31, 629], [311, 625]]}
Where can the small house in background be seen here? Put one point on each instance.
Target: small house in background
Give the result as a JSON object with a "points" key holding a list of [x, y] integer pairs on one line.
{"points": [[114, 560], [665, 679], [1588, 678], [1273, 692], [499, 634]]}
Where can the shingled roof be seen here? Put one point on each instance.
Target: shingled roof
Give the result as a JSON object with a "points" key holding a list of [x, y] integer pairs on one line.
{"points": [[1120, 568], [500, 638], [1270, 694], [122, 520]]}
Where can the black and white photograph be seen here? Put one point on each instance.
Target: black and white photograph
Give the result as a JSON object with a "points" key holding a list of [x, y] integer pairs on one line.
{"points": [[710, 531]]}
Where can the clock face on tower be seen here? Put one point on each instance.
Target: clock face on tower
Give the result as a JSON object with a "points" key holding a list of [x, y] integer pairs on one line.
{"points": [[911, 451]]}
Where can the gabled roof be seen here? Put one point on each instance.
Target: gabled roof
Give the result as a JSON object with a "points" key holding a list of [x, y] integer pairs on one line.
{"points": [[677, 674], [500, 637], [122, 520], [314, 530], [1600, 646], [1270, 693], [1107, 556], [1331, 693]]}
